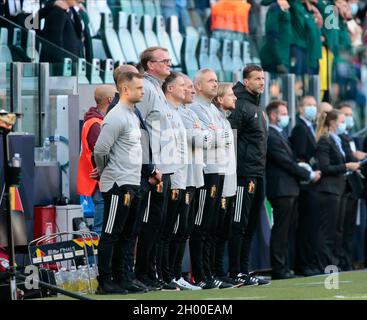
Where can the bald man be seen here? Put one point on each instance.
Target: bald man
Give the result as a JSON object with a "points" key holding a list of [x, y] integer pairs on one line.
{"points": [[87, 185]]}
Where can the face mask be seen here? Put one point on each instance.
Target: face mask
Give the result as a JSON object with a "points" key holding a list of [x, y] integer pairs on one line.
{"points": [[349, 121], [341, 128], [283, 121], [354, 8], [310, 113]]}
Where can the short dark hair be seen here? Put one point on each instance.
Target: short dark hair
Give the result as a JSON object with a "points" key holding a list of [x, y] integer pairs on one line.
{"points": [[170, 79], [344, 105], [148, 54], [122, 69], [250, 68], [128, 76], [274, 105]]}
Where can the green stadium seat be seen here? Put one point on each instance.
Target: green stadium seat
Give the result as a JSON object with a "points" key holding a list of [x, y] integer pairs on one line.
{"points": [[115, 7], [204, 52], [82, 71], [98, 49], [175, 36], [5, 53], [227, 61], [110, 39], [214, 62], [94, 73], [126, 41], [149, 8], [188, 58], [137, 35], [107, 70], [94, 16], [157, 4], [67, 67], [126, 6], [236, 57], [147, 28], [164, 39], [137, 8], [16, 48], [31, 51]]}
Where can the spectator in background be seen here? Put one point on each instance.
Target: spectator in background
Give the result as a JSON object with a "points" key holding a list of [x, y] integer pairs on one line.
{"points": [[274, 54], [282, 187], [87, 184], [63, 29], [333, 165], [176, 8]]}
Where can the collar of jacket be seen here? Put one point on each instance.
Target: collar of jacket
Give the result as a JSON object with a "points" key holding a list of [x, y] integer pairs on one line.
{"points": [[153, 79], [241, 92], [202, 101]]}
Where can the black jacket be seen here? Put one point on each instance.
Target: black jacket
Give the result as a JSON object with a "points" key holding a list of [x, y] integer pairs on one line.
{"points": [[332, 166], [250, 123], [282, 169], [354, 181], [303, 142], [148, 167], [64, 33]]}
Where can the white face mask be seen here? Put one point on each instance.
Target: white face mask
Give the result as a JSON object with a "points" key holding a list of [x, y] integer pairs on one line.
{"points": [[283, 121]]}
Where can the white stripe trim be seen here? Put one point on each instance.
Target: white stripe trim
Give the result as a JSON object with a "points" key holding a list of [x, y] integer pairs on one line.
{"points": [[237, 216], [114, 213], [111, 213], [176, 224], [146, 214], [199, 207], [202, 207]]}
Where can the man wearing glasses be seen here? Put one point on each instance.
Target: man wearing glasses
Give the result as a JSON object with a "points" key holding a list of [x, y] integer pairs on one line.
{"points": [[157, 116]]}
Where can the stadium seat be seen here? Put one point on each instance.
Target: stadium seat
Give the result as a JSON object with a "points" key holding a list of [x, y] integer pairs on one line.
{"points": [[137, 8], [157, 4], [204, 52], [82, 71], [107, 70], [31, 51], [16, 48], [67, 67], [236, 55], [94, 72], [191, 31], [5, 54], [115, 7], [94, 16], [175, 36], [188, 58], [126, 41], [138, 37], [164, 39], [147, 28], [246, 53], [227, 61], [214, 62], [98, 49], [149, 8], [110, 39], [126, 6]]}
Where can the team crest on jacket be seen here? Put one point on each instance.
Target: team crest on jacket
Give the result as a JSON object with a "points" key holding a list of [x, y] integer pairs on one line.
{"points": [[126, 199], [213, 191], [159, 187], [187, 198], [174, 194], [251, 187], [223, 203]]}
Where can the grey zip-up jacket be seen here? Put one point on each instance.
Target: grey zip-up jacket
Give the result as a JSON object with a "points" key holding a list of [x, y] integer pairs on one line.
{"points": [[230, 179], [214, 157], [157, 116], [117, 152], [178, 179], [197, 140]]}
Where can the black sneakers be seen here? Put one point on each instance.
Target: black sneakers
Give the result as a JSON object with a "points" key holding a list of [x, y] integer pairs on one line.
{"points": [[249, 280], [233, 282], [109, 287], [222, 284], [131, 287], [169, 286], [206, 285]]}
